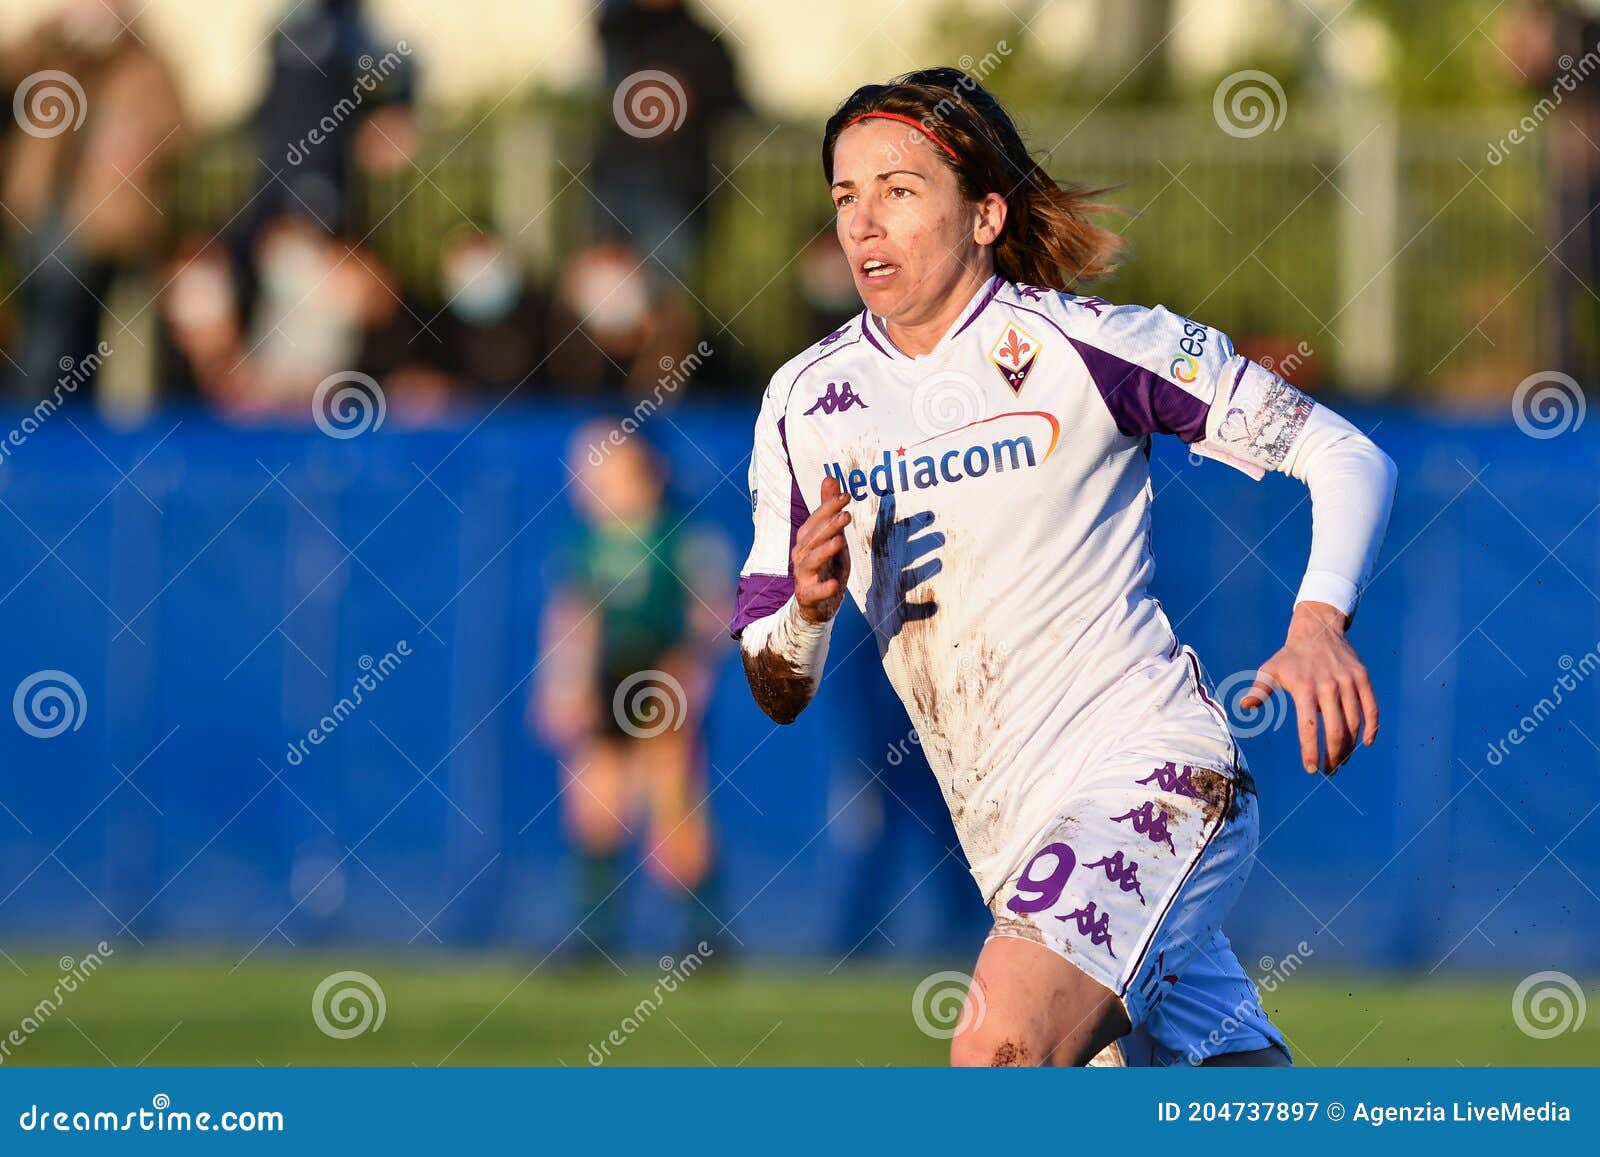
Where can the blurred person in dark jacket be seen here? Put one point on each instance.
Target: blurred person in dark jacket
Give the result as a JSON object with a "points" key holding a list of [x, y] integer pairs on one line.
{"points": [[672, 84], [97, 117], [619, 328], [490, 339], [338, 99]]}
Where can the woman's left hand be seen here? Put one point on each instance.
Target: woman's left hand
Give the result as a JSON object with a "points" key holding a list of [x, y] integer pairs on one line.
{"points": [[1322, 674]]}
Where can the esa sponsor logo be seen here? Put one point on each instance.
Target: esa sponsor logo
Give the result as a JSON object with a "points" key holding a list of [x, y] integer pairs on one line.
{"points": [[903, 469], [1191, 348]]}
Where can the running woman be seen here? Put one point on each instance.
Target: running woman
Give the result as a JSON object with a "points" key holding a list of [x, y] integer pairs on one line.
{"points": [[970, 459]]}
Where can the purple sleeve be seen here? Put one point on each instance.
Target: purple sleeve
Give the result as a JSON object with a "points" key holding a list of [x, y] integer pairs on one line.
{"points": [[1142, 401]]}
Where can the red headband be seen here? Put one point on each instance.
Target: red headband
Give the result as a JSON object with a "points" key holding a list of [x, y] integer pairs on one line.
{"points": [[918, 125]]}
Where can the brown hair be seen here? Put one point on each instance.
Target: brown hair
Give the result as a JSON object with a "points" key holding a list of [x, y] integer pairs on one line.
{"points": [[1048, 238]]}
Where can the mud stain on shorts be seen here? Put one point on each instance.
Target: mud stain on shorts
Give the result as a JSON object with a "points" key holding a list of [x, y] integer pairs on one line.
{"points": [[1020, 929], [1216, 791]]}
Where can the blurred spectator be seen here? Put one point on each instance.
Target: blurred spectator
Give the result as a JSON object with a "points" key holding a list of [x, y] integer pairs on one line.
{"points": [[322, 306], [652, 164], [619, 327], [827, 287], [81, 199], [1544, 44], [337, 99], [490, 339], [630, 639]]}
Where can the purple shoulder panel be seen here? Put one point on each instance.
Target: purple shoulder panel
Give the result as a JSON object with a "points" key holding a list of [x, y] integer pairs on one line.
{"points": [[1141, 401]]}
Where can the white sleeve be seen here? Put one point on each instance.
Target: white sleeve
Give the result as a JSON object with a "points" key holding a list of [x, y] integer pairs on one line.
{"points": [[1352, 486]]}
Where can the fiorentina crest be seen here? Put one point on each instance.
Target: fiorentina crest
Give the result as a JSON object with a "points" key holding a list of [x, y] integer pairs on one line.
{"points": [[1013, 355]]}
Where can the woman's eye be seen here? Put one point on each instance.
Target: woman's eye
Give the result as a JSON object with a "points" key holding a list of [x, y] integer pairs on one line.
{"points": [[898, 189], [844, 200]]}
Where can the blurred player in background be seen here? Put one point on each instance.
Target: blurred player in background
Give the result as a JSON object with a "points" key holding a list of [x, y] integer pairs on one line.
{"points": [[630, 639], [82, 201], [969, 456]]}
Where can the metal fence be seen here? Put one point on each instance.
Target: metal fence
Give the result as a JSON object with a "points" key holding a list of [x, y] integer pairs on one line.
{"points": [[1378, 249]]}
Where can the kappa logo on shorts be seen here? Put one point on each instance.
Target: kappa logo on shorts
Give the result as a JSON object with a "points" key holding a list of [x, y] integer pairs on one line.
{"points": [[1150, 823], [837, 398], [1094, 924], [1014, 356], [1123, 874], [1169, 778]]}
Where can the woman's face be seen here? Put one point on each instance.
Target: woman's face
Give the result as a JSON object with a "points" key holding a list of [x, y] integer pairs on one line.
{"points": [[911, 237]]}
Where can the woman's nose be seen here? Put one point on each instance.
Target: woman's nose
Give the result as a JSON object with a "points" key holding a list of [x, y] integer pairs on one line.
{"points": [[864, 223]]}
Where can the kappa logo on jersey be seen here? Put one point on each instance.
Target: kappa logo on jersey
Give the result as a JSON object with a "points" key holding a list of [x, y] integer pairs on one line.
{"points": [[838, 397], [1014, 356], [905, 470]]}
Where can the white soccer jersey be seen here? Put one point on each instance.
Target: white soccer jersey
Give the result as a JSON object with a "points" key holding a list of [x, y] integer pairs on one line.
{"points": [[999, 543]]}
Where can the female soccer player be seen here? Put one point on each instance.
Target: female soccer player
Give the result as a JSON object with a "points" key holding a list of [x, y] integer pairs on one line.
{"points": [[970, 459]]}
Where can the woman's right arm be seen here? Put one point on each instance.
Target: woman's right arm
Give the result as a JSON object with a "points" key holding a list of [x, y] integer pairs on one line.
{"points": [[793, 582]]}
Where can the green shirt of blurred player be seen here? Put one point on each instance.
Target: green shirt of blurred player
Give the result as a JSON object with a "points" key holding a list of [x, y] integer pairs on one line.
{"points": [[633, 623]]}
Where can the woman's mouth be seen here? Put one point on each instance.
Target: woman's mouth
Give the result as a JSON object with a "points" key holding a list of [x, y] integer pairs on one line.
{"points": [[875, 270]]}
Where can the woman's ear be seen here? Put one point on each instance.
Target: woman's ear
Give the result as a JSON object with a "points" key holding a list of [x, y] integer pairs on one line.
{"points": [[989, 218]]}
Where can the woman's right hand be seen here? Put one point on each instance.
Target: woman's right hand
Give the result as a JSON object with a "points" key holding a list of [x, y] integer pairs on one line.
{"points": [[820, 557]]}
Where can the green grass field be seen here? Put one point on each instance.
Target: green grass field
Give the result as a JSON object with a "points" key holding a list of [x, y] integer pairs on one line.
{"points": [[190, 1010]]}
